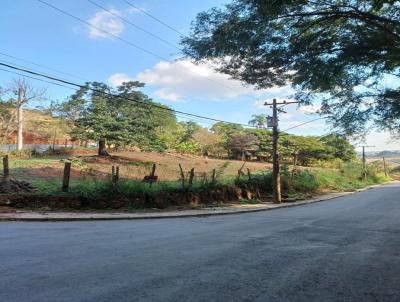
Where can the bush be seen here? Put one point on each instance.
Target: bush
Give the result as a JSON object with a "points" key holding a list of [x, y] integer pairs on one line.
{"points": [[305, 182]]}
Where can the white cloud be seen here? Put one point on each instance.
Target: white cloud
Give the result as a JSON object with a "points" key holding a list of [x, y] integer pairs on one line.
{"points": [[183, 79], [166, 95], [118, 78], [104, 21], [380, 141], [260, 103], [310, 109]]}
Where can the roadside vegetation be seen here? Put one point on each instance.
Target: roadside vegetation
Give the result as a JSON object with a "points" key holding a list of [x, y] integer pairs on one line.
{"points": [[187, 164], [219, 186]]}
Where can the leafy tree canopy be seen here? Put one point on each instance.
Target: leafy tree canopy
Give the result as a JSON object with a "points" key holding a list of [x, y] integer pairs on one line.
{"points": [[124, 116], [344, 53]]}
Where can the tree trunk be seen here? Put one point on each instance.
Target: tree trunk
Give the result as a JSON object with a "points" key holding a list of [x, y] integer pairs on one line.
{"points": [[102, 147], [20, 120]]}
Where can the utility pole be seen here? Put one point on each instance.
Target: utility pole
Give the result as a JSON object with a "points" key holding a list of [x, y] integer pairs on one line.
{"points": [[276, 177], [273, 122], [385, 167], [364, 162]]}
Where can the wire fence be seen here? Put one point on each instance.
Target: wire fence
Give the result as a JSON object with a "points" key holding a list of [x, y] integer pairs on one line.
{"points": [[49, 174]]}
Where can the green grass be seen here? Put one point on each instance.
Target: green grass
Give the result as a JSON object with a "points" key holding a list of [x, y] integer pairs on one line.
{"points": [[348, 178], [304, 183], [33, 162], [94, 189]]}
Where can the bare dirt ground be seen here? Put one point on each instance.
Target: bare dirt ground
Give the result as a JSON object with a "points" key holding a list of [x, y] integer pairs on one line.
{"points": [[133, 165]]}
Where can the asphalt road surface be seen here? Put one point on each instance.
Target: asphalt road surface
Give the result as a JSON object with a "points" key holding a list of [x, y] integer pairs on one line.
{"points": [[347, 249]]}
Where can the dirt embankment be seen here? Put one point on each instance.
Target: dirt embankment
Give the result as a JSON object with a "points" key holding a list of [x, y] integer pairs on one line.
{"points": [[163, 199]]}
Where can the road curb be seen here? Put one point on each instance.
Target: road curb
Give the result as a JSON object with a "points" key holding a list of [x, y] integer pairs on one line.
{"points": [[321, 198]]}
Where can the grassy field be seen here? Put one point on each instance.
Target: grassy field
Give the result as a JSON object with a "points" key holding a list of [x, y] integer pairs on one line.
{"points": [[392, 162], [91, 174]]}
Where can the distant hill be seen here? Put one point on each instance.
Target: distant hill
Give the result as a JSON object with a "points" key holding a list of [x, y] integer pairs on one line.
{"points": [[42, 128], [387, 153]]}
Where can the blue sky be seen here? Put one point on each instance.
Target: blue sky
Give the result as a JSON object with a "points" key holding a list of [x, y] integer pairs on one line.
{"points": [[37, 33]]}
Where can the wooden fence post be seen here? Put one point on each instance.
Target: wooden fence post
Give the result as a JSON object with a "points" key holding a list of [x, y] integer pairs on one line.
{"points": [[385, 167], [191, 177], [114, 174], [6, 169], [213, 176], [182, 176], [248, 174], [153, 171], [240, 171], [67, 173], [117, 174]]}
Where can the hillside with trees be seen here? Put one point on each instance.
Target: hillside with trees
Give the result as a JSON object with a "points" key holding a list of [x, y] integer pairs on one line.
{"points": [[129, 119]]}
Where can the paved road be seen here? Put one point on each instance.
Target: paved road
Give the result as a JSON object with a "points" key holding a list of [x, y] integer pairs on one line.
{"points": [[346, 249]]}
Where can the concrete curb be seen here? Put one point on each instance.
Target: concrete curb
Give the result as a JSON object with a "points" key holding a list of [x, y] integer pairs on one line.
{"points": [[69, 216]]}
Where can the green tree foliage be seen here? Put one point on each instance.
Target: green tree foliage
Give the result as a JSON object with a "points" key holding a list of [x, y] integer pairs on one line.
{"points": [[258, 121], [345, 54], [339, 147], [310, 150], [210, 143], [242, 143], [124, 116], [7, 121], [190, 128], [264, 144]]}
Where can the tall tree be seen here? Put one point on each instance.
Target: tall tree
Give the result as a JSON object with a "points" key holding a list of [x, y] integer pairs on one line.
{"points": [[124, 116], [258, 121], [210, 143], [342, 53], [22, 92]]}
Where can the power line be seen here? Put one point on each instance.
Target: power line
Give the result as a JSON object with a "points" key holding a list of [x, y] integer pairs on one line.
{"points": [[101, 30], [302, 124], [134, 25], [38, 79], [42, 66], [117, 96], [126, 41], [182, 116], [76, 89], [154, 18]]}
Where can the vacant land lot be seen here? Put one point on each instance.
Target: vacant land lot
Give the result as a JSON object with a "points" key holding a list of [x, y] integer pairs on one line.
{"points": [[132, 165]]}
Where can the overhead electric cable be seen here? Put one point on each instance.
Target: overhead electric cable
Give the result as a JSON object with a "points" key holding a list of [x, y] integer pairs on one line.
{"points": [[154, 18], [101, 30], [42, 66], [134, 25], [117, 96], [302, 124], [37, 79], [127, 41]]}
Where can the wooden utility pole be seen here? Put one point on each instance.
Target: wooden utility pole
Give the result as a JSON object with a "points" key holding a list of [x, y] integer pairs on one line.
{"points": [[385, 167], [273, 122], [276, 177], [364, 163]]}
